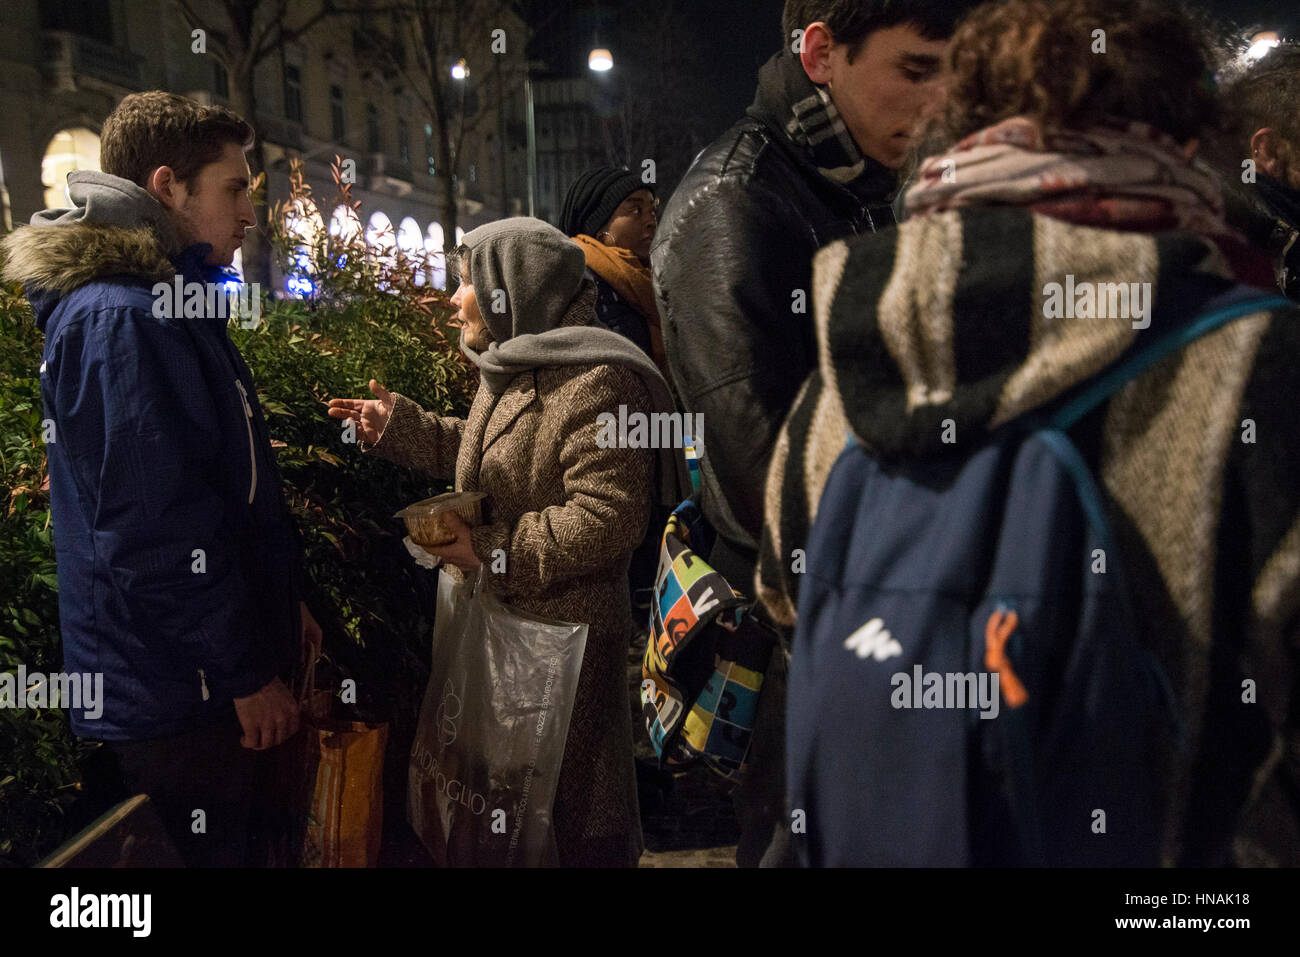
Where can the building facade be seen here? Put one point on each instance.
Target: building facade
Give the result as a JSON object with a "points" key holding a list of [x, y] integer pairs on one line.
{"points": [[65, 64]]}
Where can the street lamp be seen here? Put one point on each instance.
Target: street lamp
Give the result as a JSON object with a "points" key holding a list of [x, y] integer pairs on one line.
{"points": [[1261, 44], [460, 70], [600, 61]]}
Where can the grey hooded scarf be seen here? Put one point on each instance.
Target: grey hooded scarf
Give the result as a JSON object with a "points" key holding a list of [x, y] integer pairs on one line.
{"points": [[526, 275], [112, 201]]}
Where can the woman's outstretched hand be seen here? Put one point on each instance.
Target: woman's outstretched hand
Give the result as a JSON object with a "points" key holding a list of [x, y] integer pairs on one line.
{"points": [[370, 415]]}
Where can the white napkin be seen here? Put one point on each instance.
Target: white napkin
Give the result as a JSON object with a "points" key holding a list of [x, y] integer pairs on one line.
{"points": [[424, 559]]}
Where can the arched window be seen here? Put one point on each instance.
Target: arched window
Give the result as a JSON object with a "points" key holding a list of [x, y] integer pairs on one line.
{"points": [[380, 237], [433, 247], [411, 243], [304, 223], [69, 150], [345, 225]]}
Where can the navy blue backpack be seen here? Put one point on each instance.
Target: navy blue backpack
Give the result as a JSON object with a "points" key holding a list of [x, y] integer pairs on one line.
{"points": [[968, 684]]}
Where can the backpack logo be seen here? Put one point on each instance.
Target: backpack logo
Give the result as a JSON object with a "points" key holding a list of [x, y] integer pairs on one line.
{"points": [[873, 639], [1001, 626]]}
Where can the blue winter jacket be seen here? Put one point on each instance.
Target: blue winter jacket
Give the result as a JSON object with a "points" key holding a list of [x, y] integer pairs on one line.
{"points": [[178, 563]]}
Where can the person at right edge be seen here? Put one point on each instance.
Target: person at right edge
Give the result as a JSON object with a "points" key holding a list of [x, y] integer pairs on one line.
{"points": [[1266, 130], [815, 159]]}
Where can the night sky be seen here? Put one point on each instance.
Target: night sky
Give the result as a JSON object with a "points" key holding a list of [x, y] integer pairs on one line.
{"points": [[740, 35], [745, 34]]}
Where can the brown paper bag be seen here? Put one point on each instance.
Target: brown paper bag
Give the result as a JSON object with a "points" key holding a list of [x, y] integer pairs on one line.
{"points": [[346, 821]]}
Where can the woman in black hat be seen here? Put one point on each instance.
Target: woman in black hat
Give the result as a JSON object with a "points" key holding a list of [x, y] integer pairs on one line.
{"points": [[612, 215]]}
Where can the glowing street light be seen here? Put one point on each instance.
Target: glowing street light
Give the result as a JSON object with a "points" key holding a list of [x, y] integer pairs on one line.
{"points": [[601, 60], [460, 70], [1261, 44]]}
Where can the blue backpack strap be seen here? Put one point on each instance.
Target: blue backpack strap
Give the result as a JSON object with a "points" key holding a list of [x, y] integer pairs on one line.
{"points": [[1222, 310]]}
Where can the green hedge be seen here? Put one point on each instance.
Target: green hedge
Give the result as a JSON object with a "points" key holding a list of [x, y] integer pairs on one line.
{"points": [[39, 757]]}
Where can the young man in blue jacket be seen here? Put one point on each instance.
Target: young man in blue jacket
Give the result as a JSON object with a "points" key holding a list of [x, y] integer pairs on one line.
{"points": [[179, 565]]}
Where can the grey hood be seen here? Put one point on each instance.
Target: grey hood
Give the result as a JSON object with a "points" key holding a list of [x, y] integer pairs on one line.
{"points": [[108, 200], [525, 263]]}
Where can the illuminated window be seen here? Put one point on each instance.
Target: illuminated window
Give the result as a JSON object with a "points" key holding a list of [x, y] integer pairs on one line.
{"points": [[433, 249], [345, 229], [381, 238], [304, 223], [345, 225], [69, 151]]}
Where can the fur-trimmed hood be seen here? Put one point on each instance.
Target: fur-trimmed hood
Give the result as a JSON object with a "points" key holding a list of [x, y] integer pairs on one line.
{"points": [[114, 228]]}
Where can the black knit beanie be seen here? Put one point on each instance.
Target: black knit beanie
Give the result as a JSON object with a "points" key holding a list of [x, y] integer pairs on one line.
{"points": [[594, 196]]}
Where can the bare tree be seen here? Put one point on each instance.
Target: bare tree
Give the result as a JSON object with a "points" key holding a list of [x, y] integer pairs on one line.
{"points": [[241, 35], [652, 105], [442, 33]]}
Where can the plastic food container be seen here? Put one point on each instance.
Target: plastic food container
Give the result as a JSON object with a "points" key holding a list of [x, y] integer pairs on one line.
{"points": [[424, 520]]}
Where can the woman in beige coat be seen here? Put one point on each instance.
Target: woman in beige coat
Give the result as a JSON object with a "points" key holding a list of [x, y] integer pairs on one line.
{"points": [[563, 511]]}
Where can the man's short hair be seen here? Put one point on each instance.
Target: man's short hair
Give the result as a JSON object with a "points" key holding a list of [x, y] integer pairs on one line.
{"points": [[1268, 96], [153, 129], [852, 21]]}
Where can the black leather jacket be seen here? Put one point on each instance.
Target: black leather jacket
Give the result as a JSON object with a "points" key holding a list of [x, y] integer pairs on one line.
{"points": [[732, 267]]}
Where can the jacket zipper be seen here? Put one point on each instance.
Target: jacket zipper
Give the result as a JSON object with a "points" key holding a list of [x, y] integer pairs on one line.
{"points": [[203, 684], [252, 448]]}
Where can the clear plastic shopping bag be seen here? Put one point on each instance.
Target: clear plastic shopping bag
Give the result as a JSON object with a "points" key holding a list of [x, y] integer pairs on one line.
{"points": [[490, 741]]}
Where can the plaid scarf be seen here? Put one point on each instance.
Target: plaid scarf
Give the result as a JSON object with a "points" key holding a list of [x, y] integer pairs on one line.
{"points": [[818, 127], [1126, 176], [805, 112]]}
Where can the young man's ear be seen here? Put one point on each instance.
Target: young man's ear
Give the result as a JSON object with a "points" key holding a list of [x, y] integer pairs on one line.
{"points": [[815, 54], [165, 187], [1266, 151]]}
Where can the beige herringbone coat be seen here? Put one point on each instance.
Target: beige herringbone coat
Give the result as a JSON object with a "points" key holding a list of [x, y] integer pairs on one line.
{"points": [[568, 515]]}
